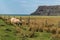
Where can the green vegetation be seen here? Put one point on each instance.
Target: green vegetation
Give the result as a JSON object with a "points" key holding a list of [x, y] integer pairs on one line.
{"points": [[10, 32]]}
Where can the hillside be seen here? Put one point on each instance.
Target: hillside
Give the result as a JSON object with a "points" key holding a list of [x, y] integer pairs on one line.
{"points": [[47, 11], [32, 28]]}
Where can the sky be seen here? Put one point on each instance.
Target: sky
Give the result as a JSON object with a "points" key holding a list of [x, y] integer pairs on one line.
{"points": [[23, 6]]}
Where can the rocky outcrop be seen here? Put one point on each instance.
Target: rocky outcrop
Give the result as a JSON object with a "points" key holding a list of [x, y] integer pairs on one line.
{"points": [[47, 11]]}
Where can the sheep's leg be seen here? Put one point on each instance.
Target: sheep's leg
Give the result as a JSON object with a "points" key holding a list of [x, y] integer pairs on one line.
{"points": [[17, 24]]}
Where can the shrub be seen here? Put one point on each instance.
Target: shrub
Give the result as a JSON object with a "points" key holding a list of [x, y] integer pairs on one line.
{"points": [[40, 29], [56, 37], [46, 29], [53, 30]]}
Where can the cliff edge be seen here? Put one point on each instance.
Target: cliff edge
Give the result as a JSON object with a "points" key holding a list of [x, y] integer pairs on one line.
{"points": [[47, 11]]}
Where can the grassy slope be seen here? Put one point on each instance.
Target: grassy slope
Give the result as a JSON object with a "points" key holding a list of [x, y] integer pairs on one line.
{"points": [[3, 32], [10, 35]]}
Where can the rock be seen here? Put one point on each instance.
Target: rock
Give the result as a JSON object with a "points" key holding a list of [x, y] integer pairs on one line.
{"points": [[47, 11]]}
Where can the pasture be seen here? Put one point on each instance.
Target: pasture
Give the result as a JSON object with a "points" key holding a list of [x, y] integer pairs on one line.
{"points": [[33, 28]]}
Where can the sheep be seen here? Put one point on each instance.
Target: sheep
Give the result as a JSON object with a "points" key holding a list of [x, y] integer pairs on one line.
{"points": [[15, 21]]}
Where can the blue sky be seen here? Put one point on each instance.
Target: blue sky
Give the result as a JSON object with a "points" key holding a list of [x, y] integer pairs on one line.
{"points": [[23, 6]]}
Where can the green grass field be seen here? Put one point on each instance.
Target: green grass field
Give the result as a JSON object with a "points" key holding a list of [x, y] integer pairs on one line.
{"points": [[8, 32]]}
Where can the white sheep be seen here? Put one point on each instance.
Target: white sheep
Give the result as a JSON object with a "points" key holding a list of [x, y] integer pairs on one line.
{"points": [[15, 21]]}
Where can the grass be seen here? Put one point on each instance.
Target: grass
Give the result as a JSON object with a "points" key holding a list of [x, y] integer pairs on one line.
{"points": [[11, 35]]}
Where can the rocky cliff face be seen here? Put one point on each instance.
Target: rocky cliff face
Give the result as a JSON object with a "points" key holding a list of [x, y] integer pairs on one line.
{"points": [[47, 11]]}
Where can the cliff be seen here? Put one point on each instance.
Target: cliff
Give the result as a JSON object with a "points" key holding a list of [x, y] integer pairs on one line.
{"points": [[47, 11]]}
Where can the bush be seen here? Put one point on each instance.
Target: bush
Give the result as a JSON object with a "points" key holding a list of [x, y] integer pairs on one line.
{"points": [[53, 30], [46, 29], [56, 37], [41, 29]]}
